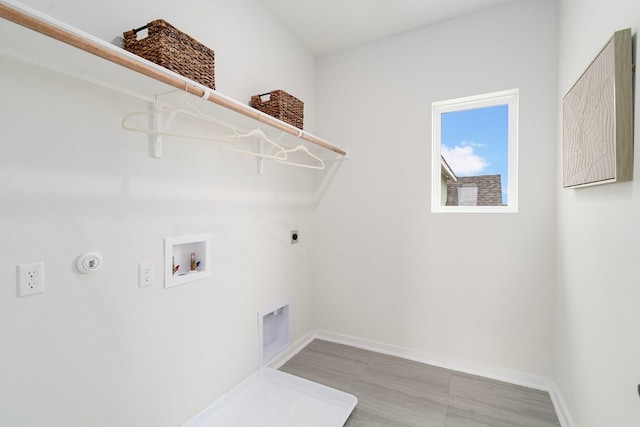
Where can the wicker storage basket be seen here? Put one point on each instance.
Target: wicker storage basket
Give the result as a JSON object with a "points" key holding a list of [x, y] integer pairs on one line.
{"points": [[169, 47], [282, 106]]}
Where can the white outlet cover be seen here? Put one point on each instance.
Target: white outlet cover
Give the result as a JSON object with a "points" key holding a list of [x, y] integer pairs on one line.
{"points": [[30, 279], [145, 274]]}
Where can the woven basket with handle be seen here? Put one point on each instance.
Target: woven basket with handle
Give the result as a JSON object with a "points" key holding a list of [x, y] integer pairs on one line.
{"points": [[280, 105], [169, 47]]}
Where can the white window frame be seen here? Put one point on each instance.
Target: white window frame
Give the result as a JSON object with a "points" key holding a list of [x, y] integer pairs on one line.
{"points": [[507, 97]]}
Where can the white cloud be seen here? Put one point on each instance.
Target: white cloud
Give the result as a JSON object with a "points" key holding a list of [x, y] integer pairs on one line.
{"points": [[471, 144], [463, 160]]}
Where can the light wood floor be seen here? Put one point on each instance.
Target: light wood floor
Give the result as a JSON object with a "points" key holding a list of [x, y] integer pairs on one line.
{"points": [[394, 392]]}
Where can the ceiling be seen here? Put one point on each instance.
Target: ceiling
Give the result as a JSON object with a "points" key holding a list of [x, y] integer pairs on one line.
{"points": [[326, 26]]}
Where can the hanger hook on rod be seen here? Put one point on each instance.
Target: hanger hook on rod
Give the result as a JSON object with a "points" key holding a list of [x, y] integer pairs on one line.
{"points": [[186, 93]]}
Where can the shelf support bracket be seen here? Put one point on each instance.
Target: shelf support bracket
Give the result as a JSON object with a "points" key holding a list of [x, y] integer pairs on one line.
{"points": [[260, 159], [157, 139]]}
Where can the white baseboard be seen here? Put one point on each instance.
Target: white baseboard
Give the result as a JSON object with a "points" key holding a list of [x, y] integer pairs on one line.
{"points": [[482, 370], [561, 407]]}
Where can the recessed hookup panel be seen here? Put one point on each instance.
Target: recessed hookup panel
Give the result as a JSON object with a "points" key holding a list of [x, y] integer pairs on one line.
{"points": [[186, 259]]}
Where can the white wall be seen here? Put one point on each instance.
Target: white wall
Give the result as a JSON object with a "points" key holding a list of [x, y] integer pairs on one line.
{"points": [[254, 54], [472, 290], [95, 350], [598, 296], [469, 290]]}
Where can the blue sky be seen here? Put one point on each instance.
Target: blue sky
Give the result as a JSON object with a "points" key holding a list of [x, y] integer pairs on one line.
{"points": [[475, 142]]}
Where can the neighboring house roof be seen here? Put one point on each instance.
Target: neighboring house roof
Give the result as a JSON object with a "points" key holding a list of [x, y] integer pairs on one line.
{"points": [[446, 170], [483, 190]]}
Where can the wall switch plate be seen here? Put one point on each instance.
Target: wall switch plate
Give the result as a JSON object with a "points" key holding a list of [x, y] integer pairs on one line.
{"points": [[294, 237], [30, 279], [145, 274]]}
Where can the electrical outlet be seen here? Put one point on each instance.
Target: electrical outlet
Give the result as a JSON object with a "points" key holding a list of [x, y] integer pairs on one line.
{"points": [[145, 274], [30, 279]]}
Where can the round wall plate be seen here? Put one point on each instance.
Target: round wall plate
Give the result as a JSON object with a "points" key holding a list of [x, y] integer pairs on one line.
{"points": [[89, 262]]}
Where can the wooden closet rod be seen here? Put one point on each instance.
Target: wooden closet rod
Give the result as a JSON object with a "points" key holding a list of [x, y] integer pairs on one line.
{"points": [[122, 58]]}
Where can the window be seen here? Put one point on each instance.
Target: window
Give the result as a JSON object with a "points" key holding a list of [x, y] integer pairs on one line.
{"points": [[474, 148]]}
